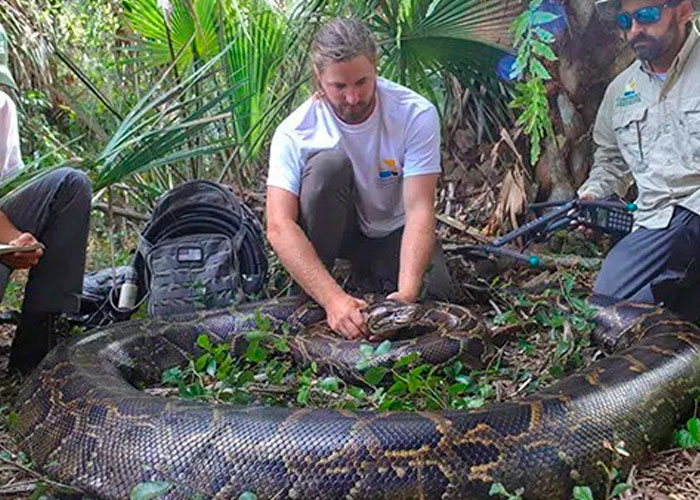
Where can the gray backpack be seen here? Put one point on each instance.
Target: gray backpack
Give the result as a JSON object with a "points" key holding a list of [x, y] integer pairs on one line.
{"points": [[202, 249]]}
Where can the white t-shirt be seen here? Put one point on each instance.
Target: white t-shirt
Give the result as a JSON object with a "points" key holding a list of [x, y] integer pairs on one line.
{"points": [[401, 138], [10, 157]]}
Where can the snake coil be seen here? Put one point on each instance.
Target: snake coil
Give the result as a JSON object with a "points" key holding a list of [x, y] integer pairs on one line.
{"points": [[81, 420]]}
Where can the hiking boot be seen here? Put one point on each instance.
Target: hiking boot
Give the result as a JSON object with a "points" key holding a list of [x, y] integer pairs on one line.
{"points": [[34, 338]]}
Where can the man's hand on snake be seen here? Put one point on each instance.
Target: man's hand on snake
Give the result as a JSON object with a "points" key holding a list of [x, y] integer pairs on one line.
{"points": [[345, 317]]}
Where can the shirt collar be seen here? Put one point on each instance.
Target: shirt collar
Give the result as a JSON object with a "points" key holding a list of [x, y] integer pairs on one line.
{"points": [[682, 56]]}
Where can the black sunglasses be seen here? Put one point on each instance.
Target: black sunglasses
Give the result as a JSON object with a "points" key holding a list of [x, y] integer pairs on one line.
{"points": [[644, 16]]}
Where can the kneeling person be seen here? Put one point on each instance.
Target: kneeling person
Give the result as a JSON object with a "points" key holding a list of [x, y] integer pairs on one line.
{"points": [[648, 131], [353, 173]]}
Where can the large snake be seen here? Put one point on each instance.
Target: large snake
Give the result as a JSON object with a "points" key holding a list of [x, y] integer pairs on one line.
{"points": [[82, 421]]}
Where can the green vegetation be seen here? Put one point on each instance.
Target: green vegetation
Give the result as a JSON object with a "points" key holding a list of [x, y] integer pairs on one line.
{"points": [[146, 94], [556, 321], [533, 42]]}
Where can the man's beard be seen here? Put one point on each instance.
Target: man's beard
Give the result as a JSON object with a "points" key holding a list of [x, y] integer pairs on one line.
{"points": [[653, 48], [356, 113]]}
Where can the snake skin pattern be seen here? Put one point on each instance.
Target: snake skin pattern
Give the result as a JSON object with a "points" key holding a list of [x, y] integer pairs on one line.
{"points": [[82, 421]]}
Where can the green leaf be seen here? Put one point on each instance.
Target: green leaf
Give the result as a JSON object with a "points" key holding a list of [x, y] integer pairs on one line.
{"points": [[474, 403], [693, 427], [383, 348], [204, 342], [256, 335], [544, 50], [303, 395], [557, 371], [583, 493], [362, 365], [211, 368], [375, 375], [544, 35], [407, 359], [256, 353], [563, 347], [357, 392], [520, 25], [196, 390], [509, 317], [281, 345], [263, 323], [685, 440], [497, 489], [415, 382], [397, 388], [148, 491], [330, 383], [538, 70], [201, 362], [172, 375], [620, 488], [541, 17], [457, 388], [519, 65], [366, 350]]}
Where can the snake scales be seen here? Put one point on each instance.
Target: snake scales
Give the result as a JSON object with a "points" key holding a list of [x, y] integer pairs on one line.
{"points": [[82, 422]]}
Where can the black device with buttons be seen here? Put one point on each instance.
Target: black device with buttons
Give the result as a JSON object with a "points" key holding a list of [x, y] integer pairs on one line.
{"points": [[609, 216]]}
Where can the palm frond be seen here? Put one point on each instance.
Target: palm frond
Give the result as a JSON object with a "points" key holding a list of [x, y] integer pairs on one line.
{"points": [[164, 36], [159, 129], [422, 40]]}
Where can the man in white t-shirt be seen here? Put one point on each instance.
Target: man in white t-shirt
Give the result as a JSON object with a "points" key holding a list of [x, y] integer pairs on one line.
{"points": [[53, 210], [352, 174]]}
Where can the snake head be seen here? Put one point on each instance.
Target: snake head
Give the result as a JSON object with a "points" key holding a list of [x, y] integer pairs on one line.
{"points": [[386, 317]]}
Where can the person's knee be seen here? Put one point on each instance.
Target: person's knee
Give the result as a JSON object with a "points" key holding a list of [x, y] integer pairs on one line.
{"points": [[609, 282], [75, 182], [328, 169]]}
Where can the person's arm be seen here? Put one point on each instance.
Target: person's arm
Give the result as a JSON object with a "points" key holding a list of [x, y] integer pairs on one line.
{"points": [[301, 261], [421, 172], [609, 173], [418, 240]]}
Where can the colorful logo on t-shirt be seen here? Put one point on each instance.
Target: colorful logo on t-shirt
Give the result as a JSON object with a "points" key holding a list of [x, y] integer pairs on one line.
{"points": [[388, 169], [629, 96]]}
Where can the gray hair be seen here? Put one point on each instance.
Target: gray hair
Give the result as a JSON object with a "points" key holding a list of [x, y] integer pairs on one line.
{"points": [[340, 40]]}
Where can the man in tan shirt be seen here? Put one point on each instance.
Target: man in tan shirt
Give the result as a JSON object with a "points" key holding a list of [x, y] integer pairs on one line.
{"points": [[648, 131]]}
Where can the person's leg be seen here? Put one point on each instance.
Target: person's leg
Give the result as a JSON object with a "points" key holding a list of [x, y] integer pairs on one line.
{"points": [[655, 265], [678, 285], [56, 209], [632, 263], [326, 204], [381, 256]]}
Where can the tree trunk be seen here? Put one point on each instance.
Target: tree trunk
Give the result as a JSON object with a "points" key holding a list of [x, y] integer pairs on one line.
{"points": [[590, 54]]}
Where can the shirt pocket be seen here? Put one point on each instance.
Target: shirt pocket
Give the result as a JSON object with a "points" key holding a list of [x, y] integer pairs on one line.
{"points": [[634, 136], [691, 124]]}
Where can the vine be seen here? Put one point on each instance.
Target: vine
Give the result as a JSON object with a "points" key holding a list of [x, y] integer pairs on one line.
{"points": [[532, 42]]}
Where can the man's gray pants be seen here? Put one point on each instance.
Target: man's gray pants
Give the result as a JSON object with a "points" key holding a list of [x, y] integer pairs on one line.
{"points": [[328, 217], [56, 210], [657, 266]]}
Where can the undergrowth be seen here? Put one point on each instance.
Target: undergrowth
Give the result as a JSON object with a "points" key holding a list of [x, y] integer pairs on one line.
{"points": [[558, 321]]}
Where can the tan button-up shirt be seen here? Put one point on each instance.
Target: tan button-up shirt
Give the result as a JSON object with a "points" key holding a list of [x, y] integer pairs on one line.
{"points": [[648, 131]]}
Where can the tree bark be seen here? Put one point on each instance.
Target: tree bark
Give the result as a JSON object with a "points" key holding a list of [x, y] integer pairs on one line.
{"points": [[591, 53]]}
